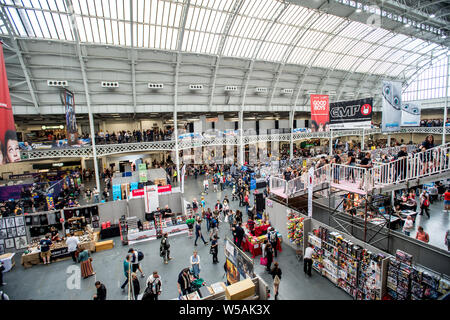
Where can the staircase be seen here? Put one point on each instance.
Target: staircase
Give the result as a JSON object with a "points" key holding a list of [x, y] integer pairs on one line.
{"points": [[416, 169]]}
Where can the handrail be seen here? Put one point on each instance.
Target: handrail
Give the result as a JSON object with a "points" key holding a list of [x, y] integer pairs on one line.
{"points": [[432, 161]]}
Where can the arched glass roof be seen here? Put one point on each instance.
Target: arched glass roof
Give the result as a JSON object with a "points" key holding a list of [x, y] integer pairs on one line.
{"points": [[268, 30]]}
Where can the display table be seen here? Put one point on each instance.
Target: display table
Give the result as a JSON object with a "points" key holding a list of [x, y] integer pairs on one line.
{"points": [[59, 253], [255, 248], [113, 231], [8, 261], [141, 236], [177, 229]]}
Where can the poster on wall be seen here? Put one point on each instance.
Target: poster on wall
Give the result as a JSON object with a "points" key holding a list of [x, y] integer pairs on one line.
{"points": [[142, 172], [71, 121], [391, 106], [233, 275], [320, 113], [117, 194], [9, 145], [351, 114], [151, 198], [411, 115]]}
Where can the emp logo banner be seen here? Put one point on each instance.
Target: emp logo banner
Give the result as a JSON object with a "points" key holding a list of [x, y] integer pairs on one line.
{"points": [[351, 114]]}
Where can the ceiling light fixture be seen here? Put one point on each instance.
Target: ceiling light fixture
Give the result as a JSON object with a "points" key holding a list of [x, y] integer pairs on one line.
{"points": [[432, 15], [358, 10]]}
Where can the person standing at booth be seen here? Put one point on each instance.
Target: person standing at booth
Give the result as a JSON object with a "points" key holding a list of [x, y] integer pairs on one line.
{"points": [[307, 260], [72, 244]]}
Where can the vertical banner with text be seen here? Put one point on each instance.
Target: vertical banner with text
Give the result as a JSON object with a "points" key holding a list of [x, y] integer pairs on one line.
{"points": [[10, 151], [320, 112]]}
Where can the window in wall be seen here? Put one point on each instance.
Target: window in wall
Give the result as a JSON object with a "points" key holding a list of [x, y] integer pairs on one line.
{"points": [[428, 84]]}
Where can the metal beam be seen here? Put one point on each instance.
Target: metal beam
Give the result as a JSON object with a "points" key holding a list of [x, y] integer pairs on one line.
{"points": [[226, 31], [18, 52], [176, 76], [76, 34], [132, 53], [247, 78]]}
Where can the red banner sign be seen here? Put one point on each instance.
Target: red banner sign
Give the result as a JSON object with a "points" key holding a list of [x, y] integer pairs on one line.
{"points": [[320, 112], [162, 189], [137, 193], [8, 137]]}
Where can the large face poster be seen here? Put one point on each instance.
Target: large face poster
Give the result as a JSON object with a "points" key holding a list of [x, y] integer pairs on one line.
{"points": [[411, 115], [71, 121], [320, 114], [351, 114], [392, 101], [9, 145]]}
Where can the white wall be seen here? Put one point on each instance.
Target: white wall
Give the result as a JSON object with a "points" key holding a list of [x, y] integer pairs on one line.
{"points": [[17, 167], [116, 126]]}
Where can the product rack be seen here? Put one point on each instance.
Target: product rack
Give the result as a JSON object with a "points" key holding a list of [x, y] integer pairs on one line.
{"points": [[350, 267]]}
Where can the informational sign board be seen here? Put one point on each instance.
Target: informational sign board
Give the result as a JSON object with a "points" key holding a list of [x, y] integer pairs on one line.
{"points": [[320, 112], [351, 114]]}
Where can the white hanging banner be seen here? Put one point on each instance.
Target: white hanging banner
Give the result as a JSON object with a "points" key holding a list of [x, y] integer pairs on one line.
{"points": [[310, 190], [151, 198], [391, 116], [411, 115]]}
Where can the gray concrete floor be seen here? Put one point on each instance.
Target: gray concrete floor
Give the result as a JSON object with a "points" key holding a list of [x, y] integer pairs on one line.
{"points": [[51, 281]]}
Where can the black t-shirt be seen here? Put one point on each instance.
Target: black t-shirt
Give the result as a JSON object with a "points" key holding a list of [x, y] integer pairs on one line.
{"points": [[337, 159], [287, 175], [427, 145], [365, 161], [402, 154]]}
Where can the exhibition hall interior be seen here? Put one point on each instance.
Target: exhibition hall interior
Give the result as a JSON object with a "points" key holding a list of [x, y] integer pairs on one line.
{"points": [[224, 150]]}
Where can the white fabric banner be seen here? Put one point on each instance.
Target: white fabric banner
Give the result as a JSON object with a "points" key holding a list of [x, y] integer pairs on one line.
{"points": [[310, 190], [391, 102], [151, 198], [411, 115], [183, 173]]}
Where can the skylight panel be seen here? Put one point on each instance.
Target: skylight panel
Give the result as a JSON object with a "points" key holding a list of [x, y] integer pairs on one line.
{"points": [[301, 56]]}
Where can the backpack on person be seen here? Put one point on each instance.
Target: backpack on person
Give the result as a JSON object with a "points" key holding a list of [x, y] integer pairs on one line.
{"points": [[276, 280], [140, 256], [273, 237], [426, 203]]}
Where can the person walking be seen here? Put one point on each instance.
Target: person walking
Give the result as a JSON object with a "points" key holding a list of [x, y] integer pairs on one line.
{"points": [[276, 276], [408, 226], [214, 249], [184, 282], [126, 271], [164, 248], [447, 201], [72, 244], [198, 232], [269, 256], [422, 235], [85, 260], [136, 285], [195, 264], [239, 234], [154, 287], [424, 204], [307, 260], [136, 256], [101, 291], [273, 239]]}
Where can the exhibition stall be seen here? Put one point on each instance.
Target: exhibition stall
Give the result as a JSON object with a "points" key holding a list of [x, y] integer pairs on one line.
{"points": [[408, 281], [253, 240]]}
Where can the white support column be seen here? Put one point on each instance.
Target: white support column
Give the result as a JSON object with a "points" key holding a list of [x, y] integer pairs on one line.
{"points": [[388, 140], [446, 100], [241, 137], [86, 88], [175, 95], [331, 142], [291, 138], [362, 139]]}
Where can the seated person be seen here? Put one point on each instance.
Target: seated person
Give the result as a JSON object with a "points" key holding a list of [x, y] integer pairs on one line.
{"points": [[54, 234]]}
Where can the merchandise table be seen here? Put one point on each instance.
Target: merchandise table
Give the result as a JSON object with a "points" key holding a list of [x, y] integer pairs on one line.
{"points": [[255, 248], [34, 257], [113, 231], [8, 261]]}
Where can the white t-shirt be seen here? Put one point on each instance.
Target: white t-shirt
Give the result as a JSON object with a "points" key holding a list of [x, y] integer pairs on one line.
{"points": [[72, 243], [408, 225], [308, 253]]}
